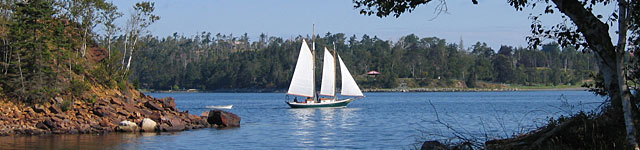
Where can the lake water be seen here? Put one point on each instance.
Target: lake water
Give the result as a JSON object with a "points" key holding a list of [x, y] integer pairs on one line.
{"points": [[378, 121]]}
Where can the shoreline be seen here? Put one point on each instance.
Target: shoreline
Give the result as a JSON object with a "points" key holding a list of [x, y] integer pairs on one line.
{"points": [[374, 90]]}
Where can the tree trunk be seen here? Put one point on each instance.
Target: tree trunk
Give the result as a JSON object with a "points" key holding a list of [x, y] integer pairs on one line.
{"points": [[624, 93], [109, 46], [131, 52], [84, 43], [124, 54], [21, 77], [610, 63]]}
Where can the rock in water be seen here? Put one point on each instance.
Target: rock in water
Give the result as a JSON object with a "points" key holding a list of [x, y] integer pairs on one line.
{"points": [[127, 126], [148, 125], [223, 118]]}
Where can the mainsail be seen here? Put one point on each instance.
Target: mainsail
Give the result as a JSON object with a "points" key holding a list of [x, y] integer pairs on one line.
{"points": [[302, 80], [328, 75], [349, 86]]}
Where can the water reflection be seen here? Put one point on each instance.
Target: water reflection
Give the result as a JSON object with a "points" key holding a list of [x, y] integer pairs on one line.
{"points": [[321, 126], [81, 141]]}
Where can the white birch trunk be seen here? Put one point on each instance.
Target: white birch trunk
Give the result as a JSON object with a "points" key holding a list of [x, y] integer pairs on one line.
{"points": [[131, 52], [623, 9], [124, 54], [84, 43]]}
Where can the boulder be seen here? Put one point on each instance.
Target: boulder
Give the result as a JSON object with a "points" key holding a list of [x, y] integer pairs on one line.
{"points": [[155, 116], [169, 103], [204, 114], [39, 109], [223, 119], [41, 125], [127, 126], [153, 106], [102, 111], [53, 122], [167, 128], [116, 101], [433, 145], [58, 99], [54, 109], [148, 125]]}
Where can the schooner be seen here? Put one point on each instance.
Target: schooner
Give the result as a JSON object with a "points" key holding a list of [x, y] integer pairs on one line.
{"points": [[303, 81]]}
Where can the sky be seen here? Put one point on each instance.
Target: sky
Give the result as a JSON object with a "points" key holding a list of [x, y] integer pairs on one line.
{"points": [[490, 21]]}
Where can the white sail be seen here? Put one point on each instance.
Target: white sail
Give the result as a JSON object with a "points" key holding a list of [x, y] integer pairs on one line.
{"points": [[302, 80], [349, 86], [328, 75]]}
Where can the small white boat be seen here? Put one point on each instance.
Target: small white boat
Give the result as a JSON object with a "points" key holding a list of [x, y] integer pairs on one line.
{"points": [[220, 107]]}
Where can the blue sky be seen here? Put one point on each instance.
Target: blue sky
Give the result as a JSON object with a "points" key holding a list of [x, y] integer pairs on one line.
{"points": [[491, 21]]}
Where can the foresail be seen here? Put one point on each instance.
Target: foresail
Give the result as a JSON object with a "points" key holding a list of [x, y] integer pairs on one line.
{"points": [[302, 80], [328, 75], [349, 86]]}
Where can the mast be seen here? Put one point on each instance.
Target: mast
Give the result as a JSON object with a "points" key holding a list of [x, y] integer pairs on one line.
{"points": [[335, 76], [313, 61]]}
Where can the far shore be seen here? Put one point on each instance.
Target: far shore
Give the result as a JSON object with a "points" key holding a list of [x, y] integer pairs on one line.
{"points": [[371, 90]]}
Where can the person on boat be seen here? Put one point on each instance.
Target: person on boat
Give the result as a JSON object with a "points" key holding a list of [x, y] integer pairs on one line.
{"points": [[295, 99]]}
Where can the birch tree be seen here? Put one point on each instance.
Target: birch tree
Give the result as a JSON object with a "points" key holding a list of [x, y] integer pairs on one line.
{"points": [[108, 17], [137, 24]]}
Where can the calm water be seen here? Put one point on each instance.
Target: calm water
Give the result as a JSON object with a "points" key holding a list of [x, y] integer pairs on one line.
{"points": [[379, 121]]}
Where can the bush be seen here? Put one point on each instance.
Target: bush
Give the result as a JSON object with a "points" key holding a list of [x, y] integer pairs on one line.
{"points": [[65, 105], [78, 87]]}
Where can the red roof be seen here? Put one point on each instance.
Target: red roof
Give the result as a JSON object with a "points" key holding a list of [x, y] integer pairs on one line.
{"points": [[373, 72]]}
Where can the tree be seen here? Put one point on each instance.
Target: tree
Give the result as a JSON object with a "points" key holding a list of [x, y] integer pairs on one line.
{"points": [[30, 31], [589, 31], [108, 18], [137, 25]]}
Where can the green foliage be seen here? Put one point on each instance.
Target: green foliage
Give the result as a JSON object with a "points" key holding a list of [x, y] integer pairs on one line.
{"points": [[227, 62], [122, 85], [78, 87], [65, 105], [93, 98]]}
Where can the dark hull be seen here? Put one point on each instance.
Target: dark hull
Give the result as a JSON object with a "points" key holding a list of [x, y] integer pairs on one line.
{"points": [[340, 103]]}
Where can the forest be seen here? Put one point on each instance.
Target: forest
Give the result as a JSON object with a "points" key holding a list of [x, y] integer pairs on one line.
{"points": [[223, 62], [63, 48]]}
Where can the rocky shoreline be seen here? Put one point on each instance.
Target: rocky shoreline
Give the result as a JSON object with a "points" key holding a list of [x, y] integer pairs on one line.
{"points": [[145, 114]]}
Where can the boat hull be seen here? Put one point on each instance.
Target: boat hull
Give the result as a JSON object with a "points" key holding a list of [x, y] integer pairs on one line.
{"points": [[338, 103], [220, 107]]}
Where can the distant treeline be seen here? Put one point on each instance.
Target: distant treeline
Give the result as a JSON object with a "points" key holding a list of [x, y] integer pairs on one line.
{"points": [[210, 62]]}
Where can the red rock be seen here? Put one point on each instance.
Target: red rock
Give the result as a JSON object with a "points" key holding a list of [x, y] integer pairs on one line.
{"points": [[120, 112], [102, 111], [155, 116], [223, 118], [167, 128], [130, 108], [153, 106], [39, 109], [116, 101], [41, 125], [169, 103], [193, 118], [54, 109]]}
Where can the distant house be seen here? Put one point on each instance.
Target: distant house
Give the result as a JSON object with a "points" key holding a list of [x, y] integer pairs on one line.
{"points": [[373, 73]]}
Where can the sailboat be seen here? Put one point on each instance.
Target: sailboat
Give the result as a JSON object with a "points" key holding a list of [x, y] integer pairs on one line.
{"points": [[303, 81]]}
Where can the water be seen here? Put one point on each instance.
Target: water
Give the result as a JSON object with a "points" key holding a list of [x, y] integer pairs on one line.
{"points": [[379, 121]]}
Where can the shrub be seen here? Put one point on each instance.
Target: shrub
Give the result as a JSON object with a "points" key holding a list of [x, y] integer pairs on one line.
{"points": [[78, 87], [65, 105]]}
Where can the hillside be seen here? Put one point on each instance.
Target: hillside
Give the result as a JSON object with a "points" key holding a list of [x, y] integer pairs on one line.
{"points": [[56, 79]]}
